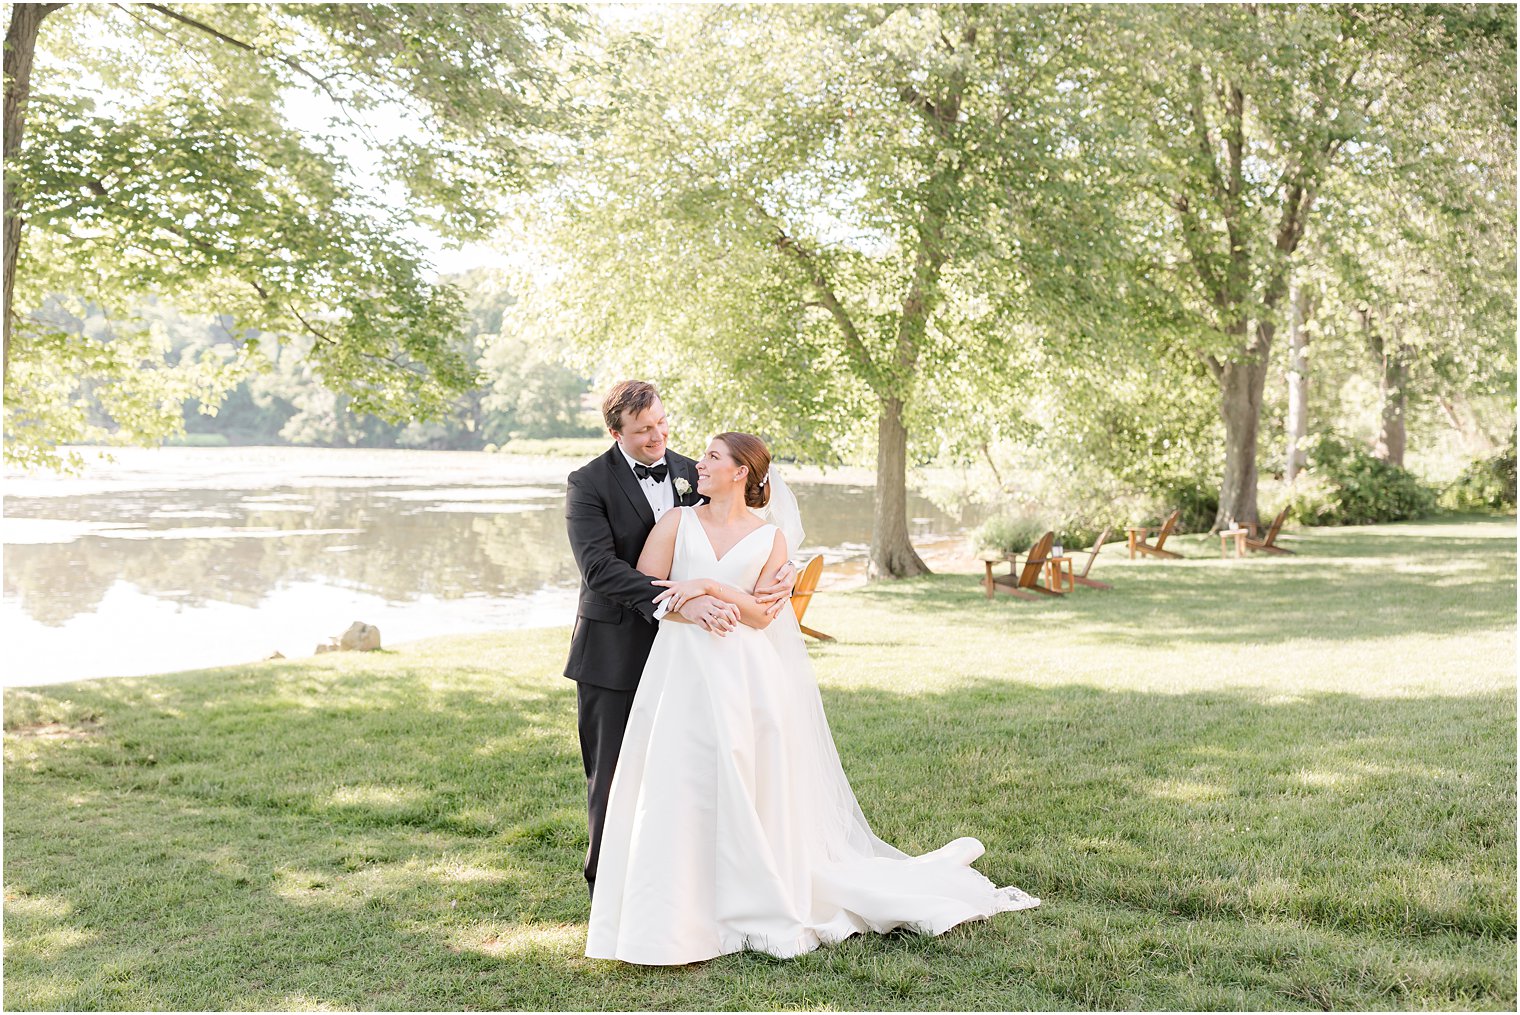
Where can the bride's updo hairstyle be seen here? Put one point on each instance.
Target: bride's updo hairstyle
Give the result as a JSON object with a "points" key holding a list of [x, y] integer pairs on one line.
{"points": [[751, 452]]}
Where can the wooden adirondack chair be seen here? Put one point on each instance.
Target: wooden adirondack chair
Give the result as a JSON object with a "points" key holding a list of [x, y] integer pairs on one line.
{"points": [[1137, 543], [1024, 581], [1269, 544], [1092, 555], [802, 594]]}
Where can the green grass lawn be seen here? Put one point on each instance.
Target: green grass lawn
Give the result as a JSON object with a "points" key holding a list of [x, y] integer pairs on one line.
{"points": [[1271, 783]]}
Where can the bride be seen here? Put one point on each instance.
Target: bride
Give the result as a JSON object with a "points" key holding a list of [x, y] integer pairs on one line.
{"points": [[731, 824]]}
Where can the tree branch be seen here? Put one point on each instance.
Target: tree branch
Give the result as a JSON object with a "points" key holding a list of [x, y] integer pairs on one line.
{"points": [[827, 299], [290, 62], [1201, 129], [151, 27], [1234, 141], [310, 328], [913, 97], [987, 454], [1195, 241], [1290, 231], [923, 288], [201, 26], [830, 302], [1290, 227]]}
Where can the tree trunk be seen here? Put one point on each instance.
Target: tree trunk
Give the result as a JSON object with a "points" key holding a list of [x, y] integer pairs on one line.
{"points": [[1393, 384], [892, 553], [1479, 443], [1241, 384], [20, 46], [1298, 383]]}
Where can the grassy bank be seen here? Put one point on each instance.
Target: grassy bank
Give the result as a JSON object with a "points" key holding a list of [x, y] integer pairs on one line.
{"points": [[1274, 783]]}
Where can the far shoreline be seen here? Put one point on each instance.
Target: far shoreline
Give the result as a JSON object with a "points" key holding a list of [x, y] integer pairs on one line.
{"points": [[539, 461]]}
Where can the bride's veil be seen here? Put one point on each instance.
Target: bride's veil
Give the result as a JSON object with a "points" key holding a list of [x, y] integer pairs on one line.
{"points": [[833, 811], [782, 511]]}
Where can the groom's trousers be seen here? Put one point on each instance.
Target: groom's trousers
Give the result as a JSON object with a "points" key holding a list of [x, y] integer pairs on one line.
{"points": [[602, 714]]}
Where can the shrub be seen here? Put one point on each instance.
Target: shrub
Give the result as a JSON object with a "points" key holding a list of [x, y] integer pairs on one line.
{"points": [[1009, 534], [1197, 499], [1083, 528], [1487, 484], [1345, 485]]}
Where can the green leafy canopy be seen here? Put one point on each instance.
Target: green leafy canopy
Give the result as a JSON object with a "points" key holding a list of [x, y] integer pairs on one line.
{"points": [[161, 159]]}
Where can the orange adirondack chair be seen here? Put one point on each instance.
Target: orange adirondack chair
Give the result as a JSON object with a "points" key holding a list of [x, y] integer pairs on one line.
{"points": [[1269, 544], [1137, 543], [802, 594], [1023, 581], [1092, 555]]}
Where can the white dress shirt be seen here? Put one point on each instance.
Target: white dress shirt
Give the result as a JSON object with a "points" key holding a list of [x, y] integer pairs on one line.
{"points": [[661, 496]]}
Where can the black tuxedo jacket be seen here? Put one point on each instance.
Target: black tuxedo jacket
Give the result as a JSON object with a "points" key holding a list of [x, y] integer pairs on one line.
{"points": [[609, 518]]}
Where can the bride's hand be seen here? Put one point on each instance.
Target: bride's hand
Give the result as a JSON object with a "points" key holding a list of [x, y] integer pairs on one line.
{"points": [[713, 615], [774, 595], [678, 594]]}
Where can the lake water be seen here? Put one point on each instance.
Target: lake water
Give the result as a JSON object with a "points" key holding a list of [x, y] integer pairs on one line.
{"points": [[180, 558]]}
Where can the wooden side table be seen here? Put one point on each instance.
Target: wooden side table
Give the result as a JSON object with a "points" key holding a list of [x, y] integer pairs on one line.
{"points": [[990, 583], [1054, 568], [1239, 535]]}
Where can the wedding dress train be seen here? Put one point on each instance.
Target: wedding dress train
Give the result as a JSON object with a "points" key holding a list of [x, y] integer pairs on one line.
{"points": [[731, 824]]}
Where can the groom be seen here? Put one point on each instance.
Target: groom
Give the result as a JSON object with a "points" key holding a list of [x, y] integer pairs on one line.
{"points": [[612, 503]]}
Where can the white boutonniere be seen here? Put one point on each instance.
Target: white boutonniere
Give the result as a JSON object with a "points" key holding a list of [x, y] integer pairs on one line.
{"points": [[682, 487]]}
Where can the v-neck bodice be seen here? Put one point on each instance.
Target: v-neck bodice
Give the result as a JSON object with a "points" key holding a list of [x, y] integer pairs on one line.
{"points": [[740, 566]]}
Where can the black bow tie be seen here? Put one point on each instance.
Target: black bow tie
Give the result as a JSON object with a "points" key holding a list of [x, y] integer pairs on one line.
{"points": [[657, 471]]}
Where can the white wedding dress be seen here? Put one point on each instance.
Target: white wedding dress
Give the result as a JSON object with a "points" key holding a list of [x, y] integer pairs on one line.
{"points": [[731, 825]]}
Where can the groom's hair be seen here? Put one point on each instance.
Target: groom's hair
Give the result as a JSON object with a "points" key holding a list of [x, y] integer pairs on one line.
{"points": [[627, 399]]}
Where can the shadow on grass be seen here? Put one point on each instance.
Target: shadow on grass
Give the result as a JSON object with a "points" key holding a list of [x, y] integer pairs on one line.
{"points": [[291, 837]]}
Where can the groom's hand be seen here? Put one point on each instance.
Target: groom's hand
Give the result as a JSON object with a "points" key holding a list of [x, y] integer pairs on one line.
{"points": [[774, 596], [711, 614]]}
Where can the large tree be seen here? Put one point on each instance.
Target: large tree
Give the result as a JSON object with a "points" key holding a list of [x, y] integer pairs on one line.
{"points": [[808, 218], [1253, 109], [150, 151], [1423, 263]]}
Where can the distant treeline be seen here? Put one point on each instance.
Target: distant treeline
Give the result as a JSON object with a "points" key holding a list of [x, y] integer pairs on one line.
{"points": [[526, 392]]}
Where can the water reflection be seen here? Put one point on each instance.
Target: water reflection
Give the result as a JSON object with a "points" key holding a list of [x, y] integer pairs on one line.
{"points": [[223, 555], [395, 547]]}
